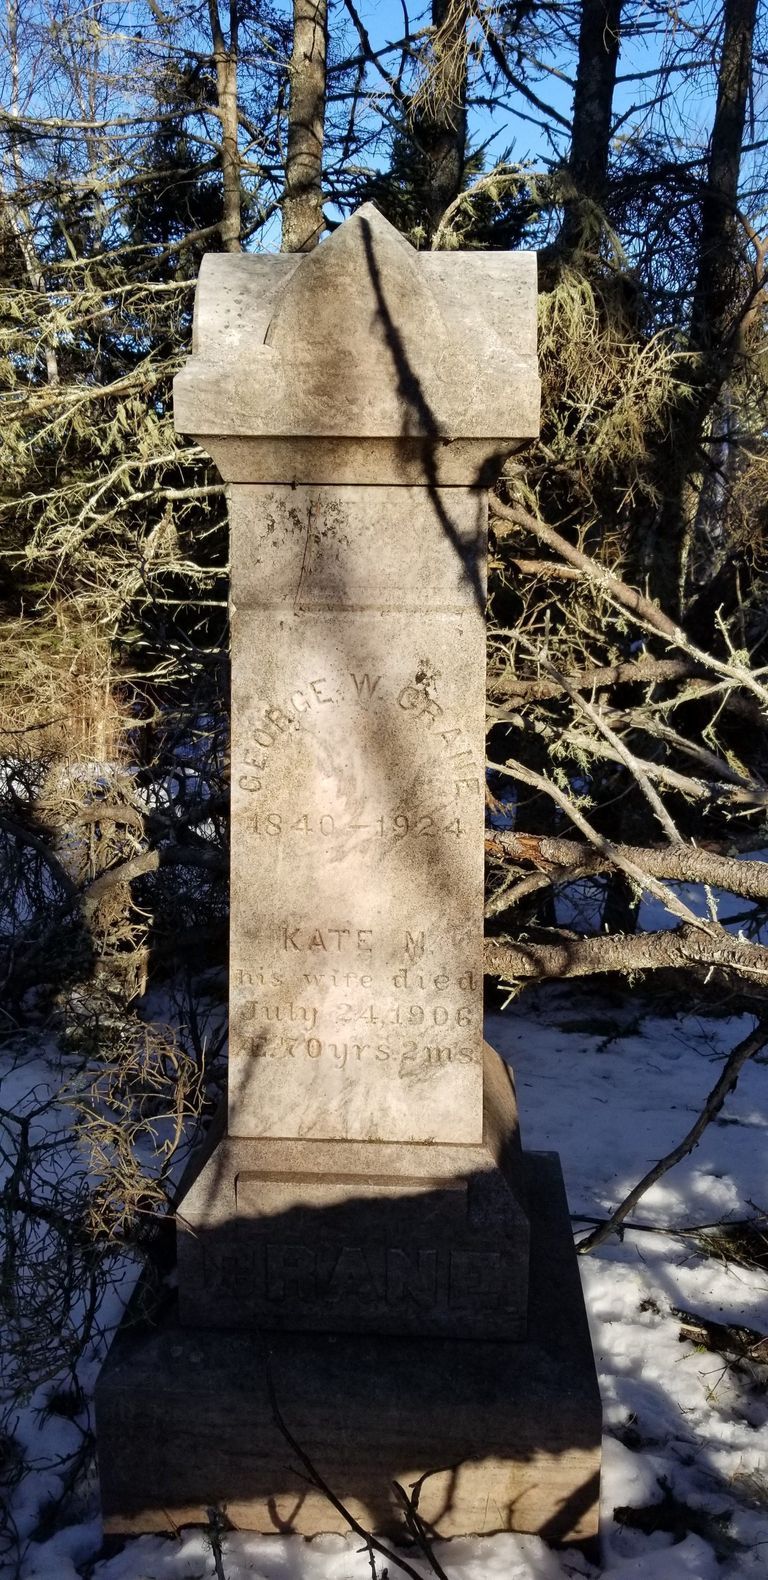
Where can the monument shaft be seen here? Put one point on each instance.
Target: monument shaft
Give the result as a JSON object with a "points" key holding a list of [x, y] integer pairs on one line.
{"points": [[358, 801]]}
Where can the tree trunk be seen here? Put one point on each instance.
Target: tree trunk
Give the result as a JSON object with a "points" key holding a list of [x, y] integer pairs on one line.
{"points": [[225, 61], [303, 201], [442, 126], [599, 37], [716, 301], [718, 304], [19, 217]]}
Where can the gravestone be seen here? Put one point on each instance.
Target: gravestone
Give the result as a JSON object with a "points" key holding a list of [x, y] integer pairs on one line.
{"points": [[368, 1221]]}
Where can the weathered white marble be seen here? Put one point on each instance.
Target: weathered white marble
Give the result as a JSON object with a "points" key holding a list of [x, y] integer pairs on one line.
{"points": [[358, 801]]}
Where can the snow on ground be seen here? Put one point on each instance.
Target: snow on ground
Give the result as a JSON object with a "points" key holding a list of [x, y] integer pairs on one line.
{"points": [[612, 1096], [611, 1090]]}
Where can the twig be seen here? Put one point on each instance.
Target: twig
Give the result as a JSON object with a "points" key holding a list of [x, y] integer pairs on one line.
{"points": [[753, 1043], [418, 1529], [25, 836], [516, 888], [216, 1524], [698, 789], [636, 767], [317, 1480], [567, 573]]}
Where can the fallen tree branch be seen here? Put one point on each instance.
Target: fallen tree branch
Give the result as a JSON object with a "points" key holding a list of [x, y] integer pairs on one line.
{"points": [[633, 601], [517, 770], [564, 859], [566, 573], [680, 948], [642, 672], [730, 1340], [647, 613], [743, 793], [636, 766], [510, 687], [690, 1230], [657, 730], [750, 1045]]}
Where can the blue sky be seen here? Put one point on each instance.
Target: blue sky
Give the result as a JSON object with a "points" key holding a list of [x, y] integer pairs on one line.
{"points": [[690, 104]]}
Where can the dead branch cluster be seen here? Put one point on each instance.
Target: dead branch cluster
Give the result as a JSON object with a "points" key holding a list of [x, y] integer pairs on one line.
{"points": [[611, 717]]}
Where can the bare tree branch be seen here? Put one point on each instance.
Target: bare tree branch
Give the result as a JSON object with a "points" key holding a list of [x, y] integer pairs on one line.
{"points": [[564, 859], [640, 672], [644, 610], [681, 948], [750, 1045], [151, 861], [517, 770]]}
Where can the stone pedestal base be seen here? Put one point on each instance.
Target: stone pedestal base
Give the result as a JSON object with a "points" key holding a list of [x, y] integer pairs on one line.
{"points": [[506, 1434], [362, 1236]]}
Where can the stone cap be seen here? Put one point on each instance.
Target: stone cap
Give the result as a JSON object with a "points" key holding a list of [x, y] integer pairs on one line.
{"points": [[363, 338]]}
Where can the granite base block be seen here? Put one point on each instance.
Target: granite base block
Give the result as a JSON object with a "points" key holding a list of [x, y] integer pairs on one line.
{"points": [[507, 1434]]}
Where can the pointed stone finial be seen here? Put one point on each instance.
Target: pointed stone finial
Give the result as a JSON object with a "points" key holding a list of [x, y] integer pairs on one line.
{"points": [[359, 300]]}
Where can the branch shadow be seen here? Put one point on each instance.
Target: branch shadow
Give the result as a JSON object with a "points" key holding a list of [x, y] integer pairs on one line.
{"points": [[424, 424]]}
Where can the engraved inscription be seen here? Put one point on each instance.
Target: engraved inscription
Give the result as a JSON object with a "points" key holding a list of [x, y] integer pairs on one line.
{"points": [[294, 1273], [407, 978], [373, 1014], [359, 977], [414, 1018], [398, 825], [277, 721], [478, 1278], [328, 940], [364, 688], [344, 1053]]}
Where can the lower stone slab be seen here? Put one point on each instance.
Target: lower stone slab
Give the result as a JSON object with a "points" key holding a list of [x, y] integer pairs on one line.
{"points": [[507, 1434]]}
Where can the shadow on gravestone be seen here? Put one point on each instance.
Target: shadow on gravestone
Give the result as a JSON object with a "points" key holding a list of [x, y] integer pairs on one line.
{"points": [[505, 1433], [368, 1219]]}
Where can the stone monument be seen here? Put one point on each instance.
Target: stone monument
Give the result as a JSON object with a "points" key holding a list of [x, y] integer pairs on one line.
{"points": [[367, 1231]]}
